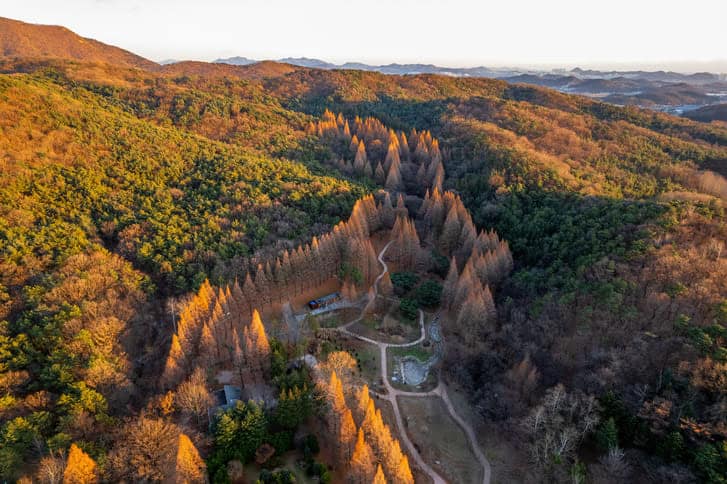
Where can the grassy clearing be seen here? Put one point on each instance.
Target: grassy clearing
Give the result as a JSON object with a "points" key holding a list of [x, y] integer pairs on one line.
{"points": [[439, 439], [368, 358], [417, 351], [336, 318], [386, 328], [507, 462]]}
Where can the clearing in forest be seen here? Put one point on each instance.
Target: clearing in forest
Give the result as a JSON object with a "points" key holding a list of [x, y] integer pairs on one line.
{"points": [[439, 439]]}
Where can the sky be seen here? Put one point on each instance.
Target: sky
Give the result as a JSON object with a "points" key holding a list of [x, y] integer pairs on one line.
{"points": [[568, 33]]}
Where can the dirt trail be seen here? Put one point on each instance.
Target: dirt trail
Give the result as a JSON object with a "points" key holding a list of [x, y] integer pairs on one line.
{"points": [[392, 393], [486, 469]]}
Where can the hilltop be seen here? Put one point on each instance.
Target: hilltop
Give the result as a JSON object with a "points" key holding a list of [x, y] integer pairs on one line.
{"points": [[716, 112], [660, 90], [20, 39], [257, 70]]}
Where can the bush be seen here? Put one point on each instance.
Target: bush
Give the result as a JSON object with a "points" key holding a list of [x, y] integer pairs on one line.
{"points": [[403, 282], [429, 294], [607, 435], [281, 441], [310, 444], [316, 469], [408, 308], [672, 447], [282, 476], [350, 272], [440, 264]]}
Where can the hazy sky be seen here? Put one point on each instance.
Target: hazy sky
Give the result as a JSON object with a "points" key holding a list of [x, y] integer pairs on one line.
{"points": [[451, 33]]}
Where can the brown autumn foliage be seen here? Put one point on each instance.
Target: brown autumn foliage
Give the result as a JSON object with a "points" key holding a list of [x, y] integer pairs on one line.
{"points": [[222, 340], [19, 39], [366, 148], [513, 136], [193, 396], [146, 450]]}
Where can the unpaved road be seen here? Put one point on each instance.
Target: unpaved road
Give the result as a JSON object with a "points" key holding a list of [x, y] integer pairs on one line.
{"points": [[392, 393]]}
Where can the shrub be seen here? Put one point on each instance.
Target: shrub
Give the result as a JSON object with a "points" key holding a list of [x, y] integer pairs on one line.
{"points": [[408, 308], [429, 294], [404, 282]]}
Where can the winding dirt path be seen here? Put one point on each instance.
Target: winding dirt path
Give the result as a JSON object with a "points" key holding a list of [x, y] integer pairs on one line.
{"points": [[392, 393]]}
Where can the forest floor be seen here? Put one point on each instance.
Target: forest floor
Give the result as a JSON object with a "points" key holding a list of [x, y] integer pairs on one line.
{"points": [[290, 460], [368, 358], [385, 328], [336, 318]]}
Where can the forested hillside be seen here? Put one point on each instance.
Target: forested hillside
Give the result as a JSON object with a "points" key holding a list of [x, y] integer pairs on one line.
{"points": [[124, 189], [616, 219], [23, 40], [103, 216]]}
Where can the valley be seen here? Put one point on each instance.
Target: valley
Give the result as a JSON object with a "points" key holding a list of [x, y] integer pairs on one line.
{"points": [[280, 273]]}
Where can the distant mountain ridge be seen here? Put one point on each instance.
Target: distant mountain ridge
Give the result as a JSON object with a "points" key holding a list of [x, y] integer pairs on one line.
{"points": [[397, 69], [661, 90], [26, 40], [237, 61], [706, 114], [535, 76]]}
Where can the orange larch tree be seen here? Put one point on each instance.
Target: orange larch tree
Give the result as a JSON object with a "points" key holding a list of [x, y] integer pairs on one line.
{"points": [[260, 344], [189, 468], [80, 468], [359, 161], [392, 156], [362, 403], [379, 477], [174, 368], [393, 177], [362, 461], [346, 434]]}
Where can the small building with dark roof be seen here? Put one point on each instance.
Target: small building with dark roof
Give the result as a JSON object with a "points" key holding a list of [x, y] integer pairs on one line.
{"points": [[324, 301]]}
